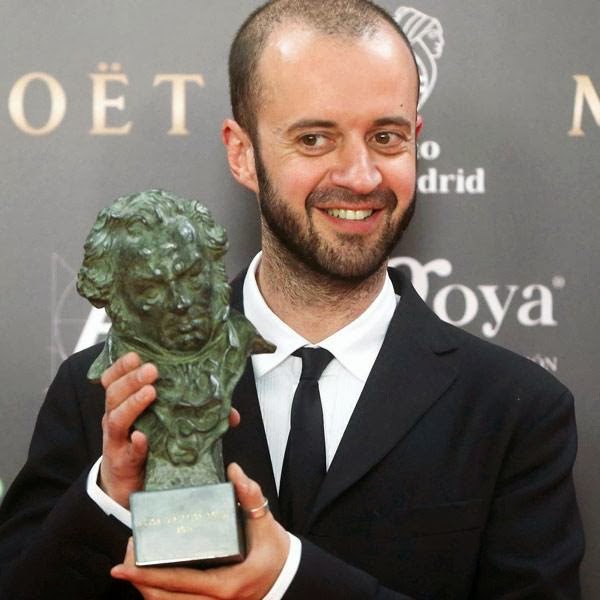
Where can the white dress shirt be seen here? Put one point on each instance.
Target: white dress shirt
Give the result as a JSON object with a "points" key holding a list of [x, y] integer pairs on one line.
{"points": [[354, 347]]}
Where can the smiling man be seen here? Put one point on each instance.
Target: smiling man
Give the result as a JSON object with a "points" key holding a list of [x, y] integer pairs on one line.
{"points": [[431, 465]]}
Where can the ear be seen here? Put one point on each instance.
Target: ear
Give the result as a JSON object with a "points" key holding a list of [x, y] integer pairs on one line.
{"points": [[240, 154], [418, 125]]}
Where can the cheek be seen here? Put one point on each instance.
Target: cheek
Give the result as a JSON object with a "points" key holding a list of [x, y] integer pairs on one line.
{"points": [[294, 191], [402, 180], [296, 177]]}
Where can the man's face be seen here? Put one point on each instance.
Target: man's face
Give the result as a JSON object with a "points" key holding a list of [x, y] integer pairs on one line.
{"points": [[336, 147], [163, 288]]}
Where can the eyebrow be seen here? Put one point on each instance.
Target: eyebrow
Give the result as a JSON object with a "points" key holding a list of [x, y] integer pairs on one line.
{"points": [[310, 123], [381, 122], [398, 121], [143, 275]]}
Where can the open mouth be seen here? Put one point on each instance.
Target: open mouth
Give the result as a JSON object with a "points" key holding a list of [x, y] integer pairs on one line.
{"points": [[349, 215]]}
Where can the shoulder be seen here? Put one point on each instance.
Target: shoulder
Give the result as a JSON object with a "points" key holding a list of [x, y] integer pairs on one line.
{"points": [[501, 364], [508, 387], [84, 358], [75, 368], [247, 334], [480, 365]]}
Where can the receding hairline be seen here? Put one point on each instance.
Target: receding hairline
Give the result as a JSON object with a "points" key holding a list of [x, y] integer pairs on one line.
{"points": [[297, 24], [293, 24], [348, 20]]}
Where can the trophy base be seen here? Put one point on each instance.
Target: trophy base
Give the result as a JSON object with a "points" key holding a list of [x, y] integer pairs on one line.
{"points": [[196, 526]]}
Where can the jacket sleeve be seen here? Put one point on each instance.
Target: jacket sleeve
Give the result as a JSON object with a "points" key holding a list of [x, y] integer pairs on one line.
{"points": [[55, 542], [533, 542]]}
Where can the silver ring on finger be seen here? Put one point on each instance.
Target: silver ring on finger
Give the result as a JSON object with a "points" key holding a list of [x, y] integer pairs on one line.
{"points": [[259, 512]]}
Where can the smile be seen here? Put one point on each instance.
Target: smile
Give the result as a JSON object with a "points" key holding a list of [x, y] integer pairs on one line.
{"points": [[350, 215]]}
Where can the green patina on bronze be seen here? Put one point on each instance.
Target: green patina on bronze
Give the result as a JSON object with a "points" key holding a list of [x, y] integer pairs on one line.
{"points": [[155, 263]]}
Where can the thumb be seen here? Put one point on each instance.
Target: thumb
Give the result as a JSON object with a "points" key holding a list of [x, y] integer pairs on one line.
{"points": [[248, 492]]}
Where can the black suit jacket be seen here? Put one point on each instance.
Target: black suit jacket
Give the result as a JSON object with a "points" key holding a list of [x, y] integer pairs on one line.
{"points": [[452, 480]]}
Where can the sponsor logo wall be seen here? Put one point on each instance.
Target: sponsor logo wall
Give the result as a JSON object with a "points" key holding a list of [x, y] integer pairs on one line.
{"points": [[100, 101]]}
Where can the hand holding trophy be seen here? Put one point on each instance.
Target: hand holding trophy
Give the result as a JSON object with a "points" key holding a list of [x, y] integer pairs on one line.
{"points": [[155, 263]]}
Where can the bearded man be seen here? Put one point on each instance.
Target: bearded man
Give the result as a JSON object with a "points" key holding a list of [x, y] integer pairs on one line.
{"points": [[446, 460]]}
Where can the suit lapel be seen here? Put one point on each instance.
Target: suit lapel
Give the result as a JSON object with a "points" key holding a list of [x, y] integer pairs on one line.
{"points": [[247, 443], [413, 369]]}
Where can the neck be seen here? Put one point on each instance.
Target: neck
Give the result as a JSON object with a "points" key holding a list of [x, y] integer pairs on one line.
{"points": [[312, 304]]}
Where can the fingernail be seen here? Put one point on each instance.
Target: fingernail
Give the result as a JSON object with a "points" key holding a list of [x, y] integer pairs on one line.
{"points": [[143, 373]]}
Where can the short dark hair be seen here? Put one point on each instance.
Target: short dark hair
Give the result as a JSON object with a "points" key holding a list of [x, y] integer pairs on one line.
{"points": [[349, 18]]}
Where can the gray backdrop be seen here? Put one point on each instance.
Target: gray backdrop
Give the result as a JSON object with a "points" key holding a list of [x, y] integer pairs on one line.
{"points": [[92, 107]]}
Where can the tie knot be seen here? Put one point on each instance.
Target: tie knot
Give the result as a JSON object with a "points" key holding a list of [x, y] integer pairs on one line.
{"points": [[314, 361]]}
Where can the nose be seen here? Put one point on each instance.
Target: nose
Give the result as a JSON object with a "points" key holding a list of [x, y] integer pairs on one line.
{"points": [[181, 298], [355, 169]]}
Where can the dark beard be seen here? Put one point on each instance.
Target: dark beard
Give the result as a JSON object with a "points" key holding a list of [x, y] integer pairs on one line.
{"points": [[352, 259]]}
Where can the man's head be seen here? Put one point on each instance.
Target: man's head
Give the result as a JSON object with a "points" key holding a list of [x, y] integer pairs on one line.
{"points": [[154, 261], [325, 94]]}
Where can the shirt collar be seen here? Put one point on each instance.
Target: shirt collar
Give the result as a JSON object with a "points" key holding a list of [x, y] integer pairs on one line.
{"points": [[355, 346]]}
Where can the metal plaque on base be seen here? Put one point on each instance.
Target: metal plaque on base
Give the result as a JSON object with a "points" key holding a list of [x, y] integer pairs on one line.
{"points": [[195, 526]]}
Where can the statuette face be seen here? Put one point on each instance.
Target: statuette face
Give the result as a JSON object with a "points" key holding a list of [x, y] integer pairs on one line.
{"points": [[167, 292], [155, 263]]}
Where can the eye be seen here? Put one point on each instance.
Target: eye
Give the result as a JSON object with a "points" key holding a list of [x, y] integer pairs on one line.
{"points": [[310, 139], [196, 270], [387, 141], [385, 138], [148, 293], [315, 143]]}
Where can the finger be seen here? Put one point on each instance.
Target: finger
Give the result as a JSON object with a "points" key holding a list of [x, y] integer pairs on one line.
{"points": [[119, 390], [128, 463], [129, 558], [247, 490], [120, 367], [169, 579], [234, 418], [139, 445], [152, 593], [268, 543], [119, 421]]}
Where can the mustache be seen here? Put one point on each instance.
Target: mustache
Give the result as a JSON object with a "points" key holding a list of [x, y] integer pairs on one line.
{"points": [[320, 198]]}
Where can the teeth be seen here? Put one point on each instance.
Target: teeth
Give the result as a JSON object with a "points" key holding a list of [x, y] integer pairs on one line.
{"points": [[351, 215]]}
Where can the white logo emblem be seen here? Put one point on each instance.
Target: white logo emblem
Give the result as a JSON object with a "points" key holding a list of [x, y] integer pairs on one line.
{"points": [[426, 36]]}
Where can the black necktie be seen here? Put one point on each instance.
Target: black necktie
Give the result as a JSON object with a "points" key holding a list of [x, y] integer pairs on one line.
{"points": [[304, 461]]}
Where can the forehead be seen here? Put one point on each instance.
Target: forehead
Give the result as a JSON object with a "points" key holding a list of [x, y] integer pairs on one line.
{"points": [[306, 71], [173, 245]]}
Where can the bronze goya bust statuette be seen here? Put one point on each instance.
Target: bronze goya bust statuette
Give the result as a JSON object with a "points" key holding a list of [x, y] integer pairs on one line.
{"points": [[155, 263]]}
